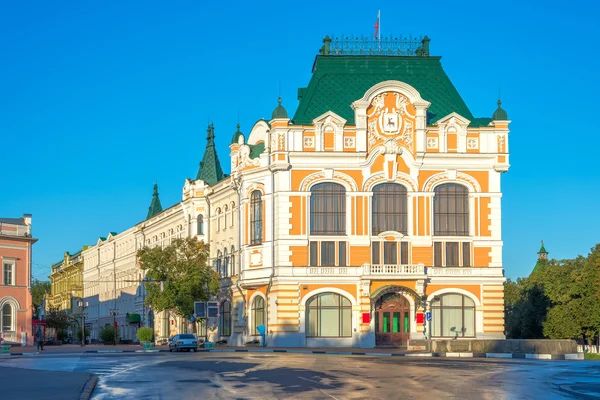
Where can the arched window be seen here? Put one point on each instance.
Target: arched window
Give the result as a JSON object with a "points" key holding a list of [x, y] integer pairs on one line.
{"points": [[328, 209], [225, 263], [258, 313], [451, 210], [225, 210], [232, 212], [389, 208], [328, 315], [218, 219], [233, 266], [256, 218], [453, 315], [225, 312], [218, 261], [8, 317], [200, 225]]}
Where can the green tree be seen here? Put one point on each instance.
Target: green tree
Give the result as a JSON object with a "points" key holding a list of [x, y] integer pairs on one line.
{"points": [[38, 290], [87, 333], [178, 276], [57, 319], [107, 334]]}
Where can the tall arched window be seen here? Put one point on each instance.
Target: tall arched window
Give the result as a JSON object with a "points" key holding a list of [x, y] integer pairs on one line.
{"points": [[256, 218], [225, 262], [258, 313], [328, 209], [218, 212], [218, 262], [389, 208], [225, 312], [233, 266], [453, 315], [200, 225], [328, 315], [451, 210], [8, 318], [225, 210]]}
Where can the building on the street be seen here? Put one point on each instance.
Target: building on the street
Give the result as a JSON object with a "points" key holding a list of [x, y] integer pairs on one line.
{"points": [[370, 217], [16, 307], [67, 288]]}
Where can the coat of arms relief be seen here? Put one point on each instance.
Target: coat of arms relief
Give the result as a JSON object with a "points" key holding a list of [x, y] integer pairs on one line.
{"points": [[388, 118]]}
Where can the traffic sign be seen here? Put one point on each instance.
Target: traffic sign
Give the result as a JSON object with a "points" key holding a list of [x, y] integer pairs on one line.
{"points": [[428, 316], [213, 309]]}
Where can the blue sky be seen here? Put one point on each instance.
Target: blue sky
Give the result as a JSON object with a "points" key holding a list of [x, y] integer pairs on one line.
{"points": [[100, 99]]}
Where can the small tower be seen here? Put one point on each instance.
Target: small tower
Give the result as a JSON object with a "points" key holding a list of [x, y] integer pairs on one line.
{"points": [[542, 254], [210, 170], [542, 258], [279, 112], [155, 206], [500, 114]]}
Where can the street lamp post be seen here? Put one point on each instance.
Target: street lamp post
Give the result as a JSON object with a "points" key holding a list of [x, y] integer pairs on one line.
{"points": [[114, 312], [83, 305]]}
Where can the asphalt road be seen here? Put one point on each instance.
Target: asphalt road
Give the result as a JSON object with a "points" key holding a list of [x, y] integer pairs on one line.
{"points": [[315, 376]]}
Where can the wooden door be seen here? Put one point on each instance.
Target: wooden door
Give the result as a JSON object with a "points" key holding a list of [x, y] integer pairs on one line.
{"points": [[392, 320]]}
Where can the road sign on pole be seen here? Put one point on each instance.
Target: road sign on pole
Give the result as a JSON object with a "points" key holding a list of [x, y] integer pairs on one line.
{"points": [[213, 309], [428, 316]]}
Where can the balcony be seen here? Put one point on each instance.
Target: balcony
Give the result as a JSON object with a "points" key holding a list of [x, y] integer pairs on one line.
{"points": [[394, 269], [371, 271]]}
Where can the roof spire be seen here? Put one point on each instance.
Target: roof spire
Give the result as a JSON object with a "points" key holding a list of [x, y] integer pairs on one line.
{"points": [[542, 258], [500, 114], [210, 170], [155, 206]]}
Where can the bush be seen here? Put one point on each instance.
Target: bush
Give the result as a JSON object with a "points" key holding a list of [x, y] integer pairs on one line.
{"points": [[145, 334], [62, 336], [107, 334], [87, 333]]}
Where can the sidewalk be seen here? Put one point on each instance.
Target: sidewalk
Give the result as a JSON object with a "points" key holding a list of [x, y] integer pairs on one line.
{"points": [[77, 349], [31, 384]]}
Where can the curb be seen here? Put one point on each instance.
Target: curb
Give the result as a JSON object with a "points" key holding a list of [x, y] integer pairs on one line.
{"points": [[572, 356], [88, 388]]}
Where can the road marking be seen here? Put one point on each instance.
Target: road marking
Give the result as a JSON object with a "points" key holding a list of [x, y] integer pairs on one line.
{"points": [[317, 382], [132, 368]]}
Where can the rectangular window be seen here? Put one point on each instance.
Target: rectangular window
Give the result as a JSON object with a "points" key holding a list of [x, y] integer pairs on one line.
{"points": [[437, 254], [396, 324], [342, 254], [327, 253], [390, 253], [404, 253], [466, 254], [314, 256], [9, 274], [375, 253], [452, 254]]}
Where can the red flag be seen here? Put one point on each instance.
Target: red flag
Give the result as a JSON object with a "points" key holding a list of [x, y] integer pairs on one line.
{"points": [[377, 24]]}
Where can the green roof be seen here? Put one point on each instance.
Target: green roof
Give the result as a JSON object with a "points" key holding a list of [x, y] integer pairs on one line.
{"points": [[279, 111], [236, 136], [154, 208], [338, 81], [256, 149], [500, 114], [210, 170], [542, 249]]}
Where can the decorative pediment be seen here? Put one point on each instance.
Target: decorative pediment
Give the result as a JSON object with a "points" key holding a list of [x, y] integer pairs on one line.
{"points": [[329, 118], [259, 132], [453, 123]]}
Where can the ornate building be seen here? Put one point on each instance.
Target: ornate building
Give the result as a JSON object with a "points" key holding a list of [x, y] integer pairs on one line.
{"points": [[16, 306], [376, 206], [66, 287]]}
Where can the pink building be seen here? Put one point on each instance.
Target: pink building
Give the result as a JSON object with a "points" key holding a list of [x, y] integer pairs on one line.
{"points": [[15, 279]]}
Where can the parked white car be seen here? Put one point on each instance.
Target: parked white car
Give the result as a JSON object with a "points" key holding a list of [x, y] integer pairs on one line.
{"points": [[183, 341]]}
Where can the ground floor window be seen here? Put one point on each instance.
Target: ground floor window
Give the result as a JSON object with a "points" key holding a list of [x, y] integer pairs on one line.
{"points": [[328, 315], [453, 315], [225, 312], [258, 313], [7, 318]]}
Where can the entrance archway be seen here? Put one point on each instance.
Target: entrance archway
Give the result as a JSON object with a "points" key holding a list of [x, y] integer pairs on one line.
{"points": [[392, 320]]}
